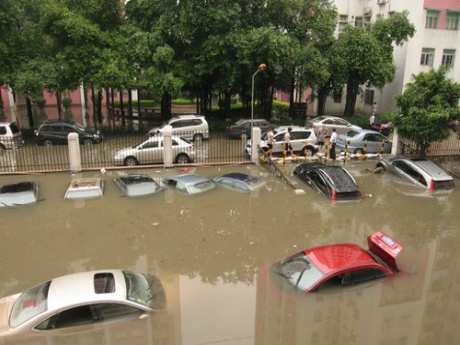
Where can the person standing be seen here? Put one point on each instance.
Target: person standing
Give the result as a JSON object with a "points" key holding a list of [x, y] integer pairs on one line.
{"points": [[287, 143], [270, 142], [333, 143]]}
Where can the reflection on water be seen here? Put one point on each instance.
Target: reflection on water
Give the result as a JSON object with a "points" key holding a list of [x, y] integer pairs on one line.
{"points": [[212, 253]]}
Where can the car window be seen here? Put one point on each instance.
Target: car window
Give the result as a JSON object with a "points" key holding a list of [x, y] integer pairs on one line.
{"points": [[328, 122], [174, 143], [352, 134], [373, 137], [66, 129], [178, 124], [138, 287], [150, 145], [77, 316], [279, 137], [319, 181], [113, 311], [46, 128], [2, 130], [14, 128], [403, 166], [361, 276], [30, 304], [196, 122], [340, 122], [301, 272], [300, 135]]}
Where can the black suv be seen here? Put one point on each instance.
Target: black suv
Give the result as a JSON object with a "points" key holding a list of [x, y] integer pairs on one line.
{"points": [[55, 132]]}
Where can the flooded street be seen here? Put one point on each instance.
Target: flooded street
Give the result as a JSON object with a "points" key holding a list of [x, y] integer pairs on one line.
{"points": [[213, 252]]}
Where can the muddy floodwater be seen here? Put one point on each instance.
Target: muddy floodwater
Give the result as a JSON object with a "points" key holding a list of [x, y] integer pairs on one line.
{"points": [[213, 252]]}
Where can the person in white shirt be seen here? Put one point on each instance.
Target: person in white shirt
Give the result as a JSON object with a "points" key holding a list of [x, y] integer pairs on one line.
{"points": [[287, 142], [333, 143], [270, 142]]}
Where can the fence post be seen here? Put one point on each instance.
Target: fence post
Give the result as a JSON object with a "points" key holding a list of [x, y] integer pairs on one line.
{"points": [[74, 152], [167, 146], [395, 143], [255, 142]]}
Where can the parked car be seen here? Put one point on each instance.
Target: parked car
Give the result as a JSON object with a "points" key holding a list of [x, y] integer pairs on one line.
{"points": [[243, 126], [420, 172], [79, 300], [190, 127], [190, 183], [85, 188], [56, 132], [302, 140], [364, 141], [137, 185], [240, 182], [151, 151], [10, 136], [341, 126], [341, 264], [22, 193], [334, 182]]}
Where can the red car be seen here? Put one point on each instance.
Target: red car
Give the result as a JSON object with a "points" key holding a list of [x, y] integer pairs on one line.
{"points": [[341, 264]]}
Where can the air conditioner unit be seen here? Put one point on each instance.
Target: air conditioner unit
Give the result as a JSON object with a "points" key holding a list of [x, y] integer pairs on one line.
{"points": [[381, 2]]}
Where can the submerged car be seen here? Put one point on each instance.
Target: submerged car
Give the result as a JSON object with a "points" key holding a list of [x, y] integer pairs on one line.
{"points": [[151, 151], [368, 141], [81, 299], [240, 182], [190, 183], [335, 182], [85, 188], [137, 185], [243, 126], [341, 264], [420, 172], [22, 193]]}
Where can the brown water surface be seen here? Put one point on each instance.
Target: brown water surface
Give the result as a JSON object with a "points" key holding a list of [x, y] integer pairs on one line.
{"points": [[213, 251]]}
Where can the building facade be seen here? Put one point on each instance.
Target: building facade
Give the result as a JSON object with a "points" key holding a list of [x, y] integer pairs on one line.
{"points": [[435, 43]]}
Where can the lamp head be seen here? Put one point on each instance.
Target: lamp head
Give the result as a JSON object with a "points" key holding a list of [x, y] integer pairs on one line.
{"points": [[262, 67]]}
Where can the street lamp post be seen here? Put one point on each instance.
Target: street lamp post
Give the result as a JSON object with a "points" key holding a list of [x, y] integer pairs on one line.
{"points": [[261, 67]]}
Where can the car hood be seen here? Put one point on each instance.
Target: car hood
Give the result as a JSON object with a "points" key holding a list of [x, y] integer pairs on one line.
{"points": [[6, 304]]}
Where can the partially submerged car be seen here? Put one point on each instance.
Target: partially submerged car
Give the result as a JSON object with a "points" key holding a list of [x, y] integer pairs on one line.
{"points": [[240, 182], [335, 182], [22, 193], [420, 172], [81, 299], [137, 185], [365, 141], [85, 188], [341, 264], [190, 183]]}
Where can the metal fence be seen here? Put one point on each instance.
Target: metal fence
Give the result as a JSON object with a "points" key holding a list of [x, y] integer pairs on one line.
{"points": [[447, 147], [121, 150]]}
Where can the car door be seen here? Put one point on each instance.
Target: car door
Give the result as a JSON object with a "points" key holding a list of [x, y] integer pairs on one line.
{"points": [[374, 142], [179, 127], [150, 152], [278, 146], [299, 139]]}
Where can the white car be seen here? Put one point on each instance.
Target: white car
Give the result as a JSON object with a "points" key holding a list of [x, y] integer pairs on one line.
{"points": [[151, 151], [330, 122], [79, 300], [190, 127], [10, 136], [302, 140]]}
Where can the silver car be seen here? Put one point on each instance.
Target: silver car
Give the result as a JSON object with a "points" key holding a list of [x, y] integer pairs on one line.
{"points": [[420, 172], [190, 183], [151, 151], [191, 127], [364, 141], [341, 126], [137, 185], [240, 182], [22, 193], [10, 136]]}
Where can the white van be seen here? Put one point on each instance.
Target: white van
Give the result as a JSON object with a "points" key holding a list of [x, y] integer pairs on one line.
{"points": [[10, 136]]}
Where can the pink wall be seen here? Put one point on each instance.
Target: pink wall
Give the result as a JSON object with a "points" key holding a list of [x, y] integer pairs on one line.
{"points": [[443, 6], [6, 103]]}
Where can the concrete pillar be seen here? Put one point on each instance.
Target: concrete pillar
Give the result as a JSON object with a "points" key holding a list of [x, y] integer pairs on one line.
{"points": [[167, 146], [83, 104], [395, 144], [255, 142], [13, 114], [74, 152]]}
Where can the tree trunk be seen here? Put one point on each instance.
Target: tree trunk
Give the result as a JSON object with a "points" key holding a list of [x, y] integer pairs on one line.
{"points": [[352, 94], [270, 103], [122, 111], [30, 114], [130, 109], [59, 104], [166, 106], [139, 114], [323, 92], [112, 107], [291, 98], [93, 100], [99, 106], [227, 102], [2, 109]]}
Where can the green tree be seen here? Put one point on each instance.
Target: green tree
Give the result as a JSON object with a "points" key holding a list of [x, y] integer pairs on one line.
{"points": [[427, 105]]}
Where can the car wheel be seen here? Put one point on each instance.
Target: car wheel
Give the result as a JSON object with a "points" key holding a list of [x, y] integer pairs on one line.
{"points": [[131, 161], [182, 159], [87, 142], [48, 143], [198, 137]]}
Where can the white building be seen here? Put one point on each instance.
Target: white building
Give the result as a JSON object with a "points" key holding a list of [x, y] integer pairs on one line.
{"points": [[435, 43]]}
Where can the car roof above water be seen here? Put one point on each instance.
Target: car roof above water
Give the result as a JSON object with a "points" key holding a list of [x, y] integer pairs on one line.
{"points": [[137, 185], [431, 168], [21, 193], [85, 188]]}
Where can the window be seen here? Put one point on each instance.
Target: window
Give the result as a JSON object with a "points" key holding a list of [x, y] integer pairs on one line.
{"points": [[373, 137], [150, 145], [279, 138], [367, 20], [30, 304], [14, 128], [405, 168], [431, 19], [196, 122], [113, 311], [427, 57], [343, 22], [104, 283], [452, 20], [68, 318], [179, 124], [138, 287], [340, 122], [301, 272], [448, 57], [362, 276], [300, 135], [337, 96], [369, 96], [2, 130], [359, 22]]}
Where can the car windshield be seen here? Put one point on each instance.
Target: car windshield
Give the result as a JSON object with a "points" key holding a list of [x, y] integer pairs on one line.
{"points": [[301, 272], [352, 134], [138, 288], [30, 304]]}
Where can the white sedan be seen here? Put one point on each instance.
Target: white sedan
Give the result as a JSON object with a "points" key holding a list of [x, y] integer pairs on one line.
{"points": [[76, 301], [329, 123]]}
